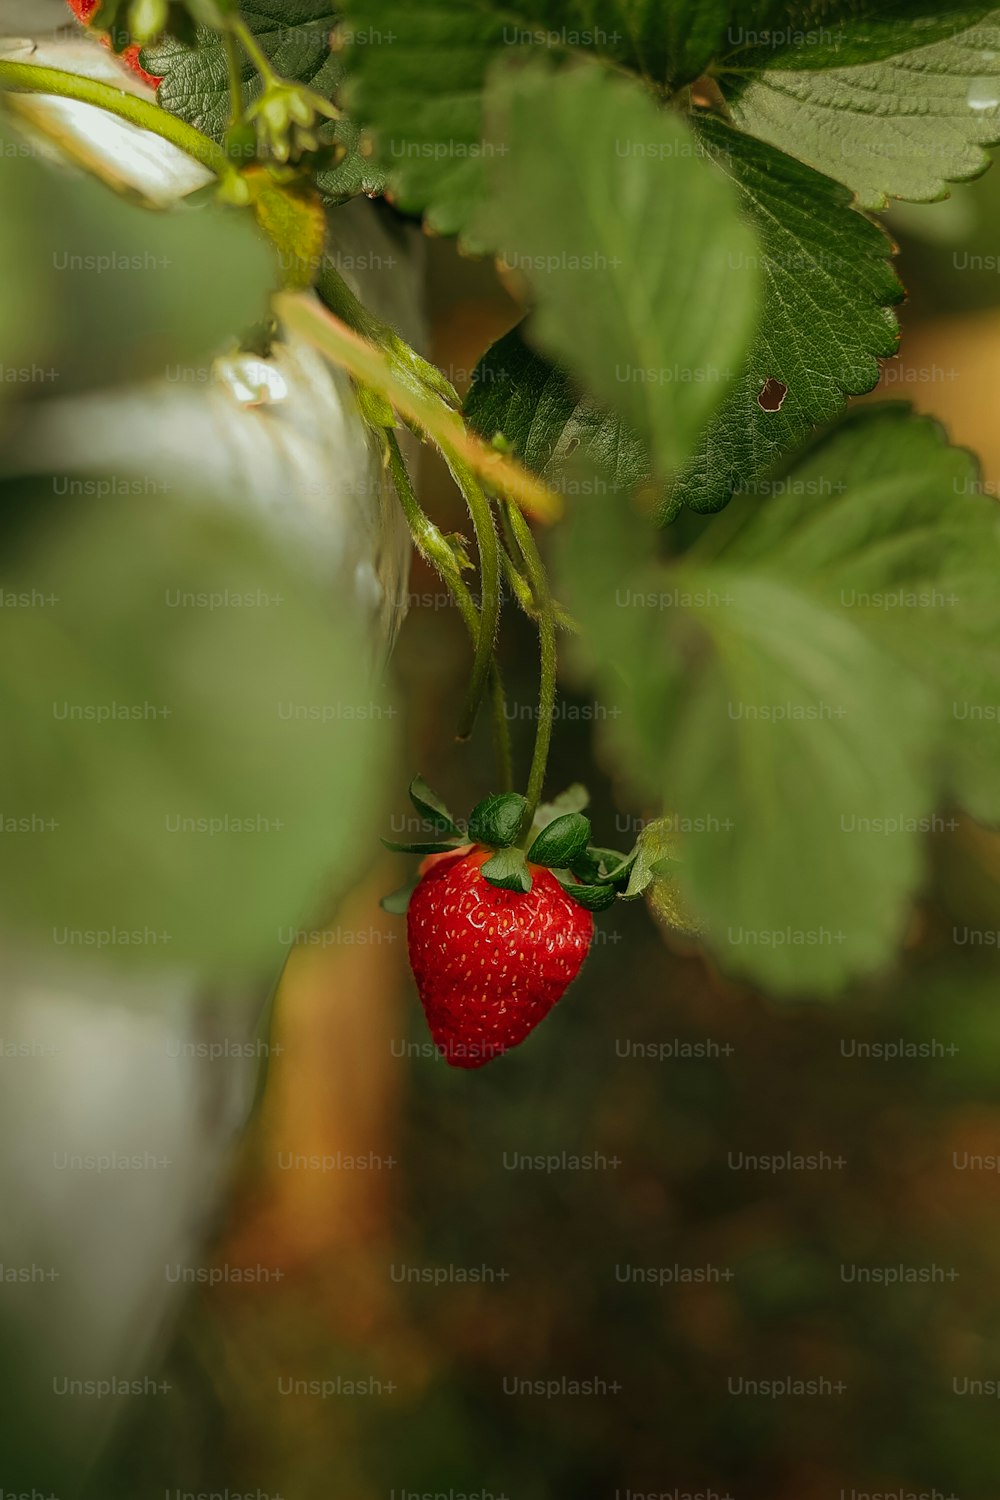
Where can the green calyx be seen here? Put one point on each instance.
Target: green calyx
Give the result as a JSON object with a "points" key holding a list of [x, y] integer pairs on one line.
{"points": [[557, 839]]}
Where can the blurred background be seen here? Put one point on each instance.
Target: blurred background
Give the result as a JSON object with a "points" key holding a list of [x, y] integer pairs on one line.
{"points": [[685, 1241], [657, 1263]]}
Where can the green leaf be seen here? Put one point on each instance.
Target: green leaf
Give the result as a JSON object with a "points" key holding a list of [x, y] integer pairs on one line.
{"points": [[430, 806], [108, 290], [295, 37], [554, 429], [794, 697], [574, 799], [397, 903], [496, 820], [657, 337], [417, 75], [508, 870], [152, 646], [593, 897], [837, 33], [892, 525], [561, 842], [902, 127], [825, 323]]}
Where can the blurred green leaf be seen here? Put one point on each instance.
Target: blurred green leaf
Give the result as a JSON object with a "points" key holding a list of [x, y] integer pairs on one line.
{"points": [[788, 686], [192, 744], [890, 525], [103, 290], [417, 75], [634, 231]]}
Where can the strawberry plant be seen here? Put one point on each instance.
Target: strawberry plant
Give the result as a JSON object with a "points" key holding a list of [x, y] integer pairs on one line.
{"points": [[657, 463]]}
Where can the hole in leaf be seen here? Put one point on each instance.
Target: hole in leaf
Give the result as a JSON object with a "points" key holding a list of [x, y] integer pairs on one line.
{"points": [[772, 395]]}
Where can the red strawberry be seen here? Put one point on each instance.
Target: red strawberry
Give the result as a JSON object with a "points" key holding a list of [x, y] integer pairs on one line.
{"points": [[490, 963], [83, 10]]}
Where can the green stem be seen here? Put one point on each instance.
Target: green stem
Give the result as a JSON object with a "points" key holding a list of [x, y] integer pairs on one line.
{"points": [[538, 579], [432, 545], [29, 79], [232, 50], [338, 297], [489, 572], [512, 560], [242, 32], [518, 584]]}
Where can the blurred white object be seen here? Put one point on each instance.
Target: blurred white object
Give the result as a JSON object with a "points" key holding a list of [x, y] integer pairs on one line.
{"points": [[121, 1099]]}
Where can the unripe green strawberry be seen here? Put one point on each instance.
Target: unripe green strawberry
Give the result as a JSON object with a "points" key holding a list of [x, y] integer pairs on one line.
{"points": [[490, 963], [83, 10]]}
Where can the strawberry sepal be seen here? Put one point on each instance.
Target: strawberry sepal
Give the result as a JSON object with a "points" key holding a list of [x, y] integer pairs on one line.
{"points": [[508, 869], [563, 841], [496, 821], [429, 805]]}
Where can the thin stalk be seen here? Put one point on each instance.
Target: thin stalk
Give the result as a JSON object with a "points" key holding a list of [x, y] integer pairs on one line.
{"points": [[232, 51], [538, 579], [512, 560], [261, 62], [489, 572], [432, 545], [29, 79], [518, 584]]}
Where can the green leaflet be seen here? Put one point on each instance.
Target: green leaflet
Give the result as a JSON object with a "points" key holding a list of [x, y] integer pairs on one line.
{"points": [[664, 333], [553, 428], [825, 322], [905, 126], [195, 821], [796, 719]]}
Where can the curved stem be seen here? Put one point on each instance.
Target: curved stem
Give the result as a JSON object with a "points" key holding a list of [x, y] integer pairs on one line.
{"points": [[27, 78], [489, 572], [431, 545], [538, 579]]}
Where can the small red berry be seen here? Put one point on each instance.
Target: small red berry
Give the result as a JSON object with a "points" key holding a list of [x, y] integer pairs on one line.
{"points": [[490, 963], [83, 10]]}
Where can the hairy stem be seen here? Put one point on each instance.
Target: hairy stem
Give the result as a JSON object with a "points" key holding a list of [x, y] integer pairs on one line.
{"points": [[432, 545], [538, 579], [235, 78], [489, 572]]}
